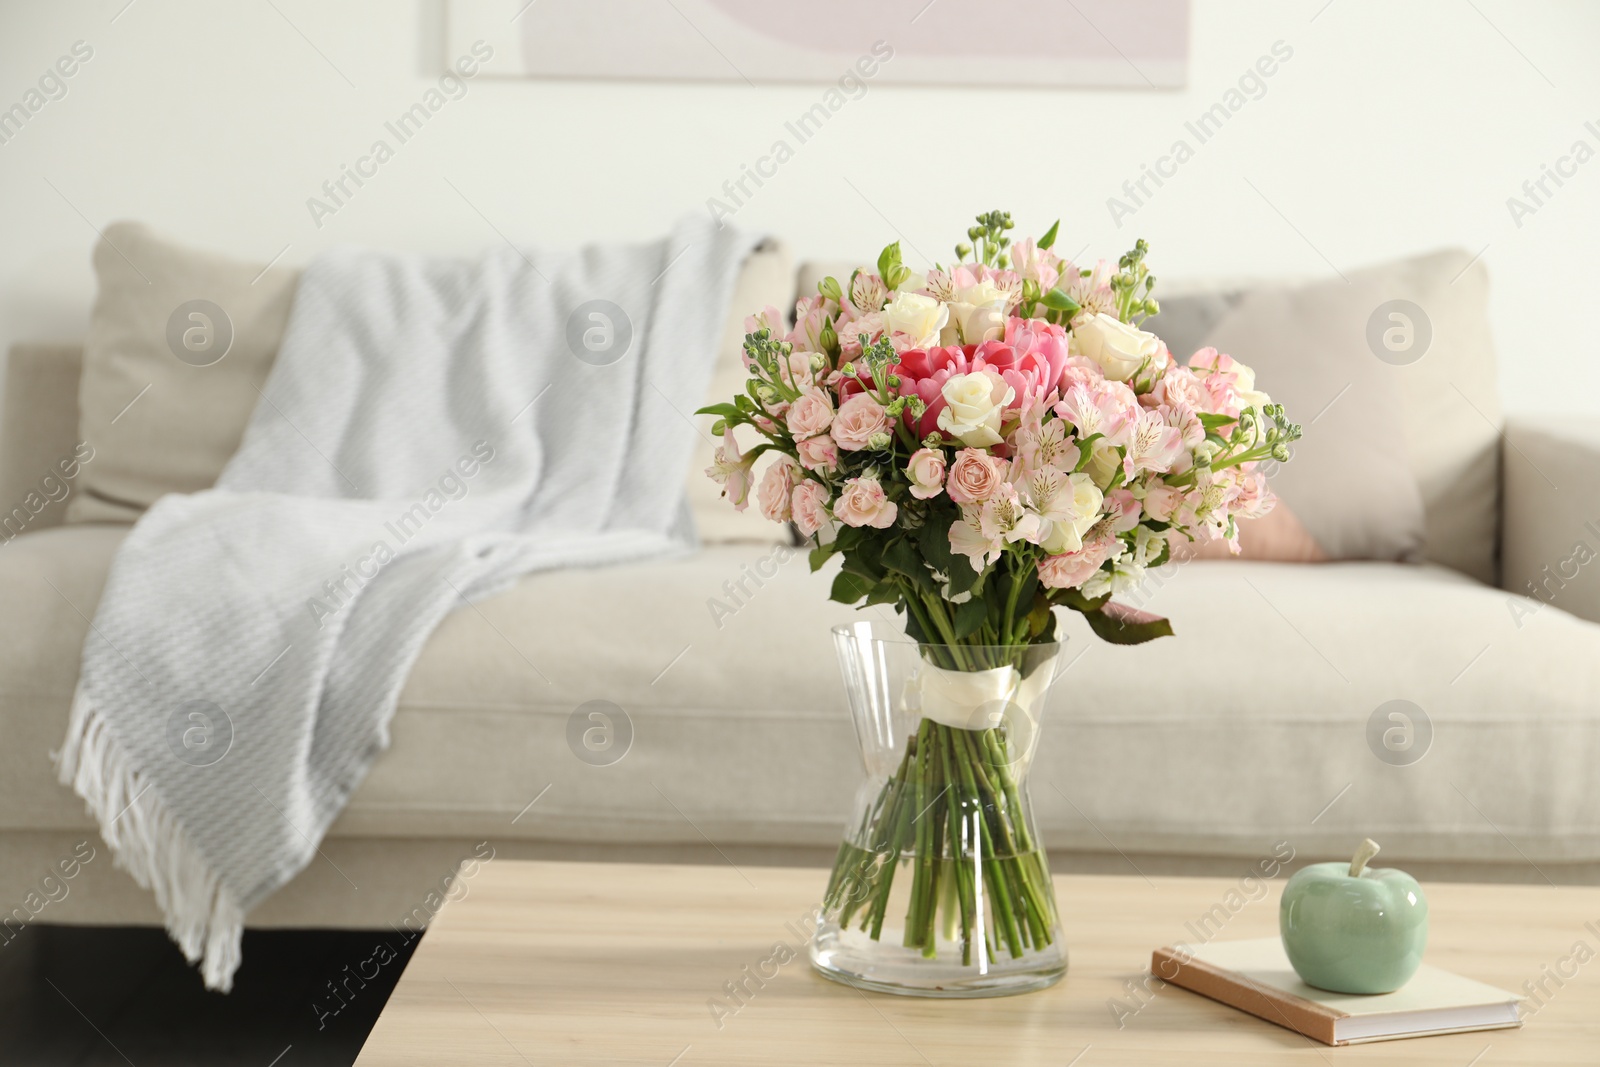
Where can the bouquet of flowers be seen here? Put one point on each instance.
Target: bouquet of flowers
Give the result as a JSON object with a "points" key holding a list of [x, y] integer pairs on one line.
{"points": [[981, 444]]}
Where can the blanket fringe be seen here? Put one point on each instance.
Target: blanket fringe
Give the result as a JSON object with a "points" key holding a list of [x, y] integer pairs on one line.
{"points": [[202, 917]]}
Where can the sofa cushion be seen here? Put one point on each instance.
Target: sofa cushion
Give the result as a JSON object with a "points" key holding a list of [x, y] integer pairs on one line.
{"points": [[1449, 395], [724, 668], [160, 422], [1349, 482], [163, 423]]}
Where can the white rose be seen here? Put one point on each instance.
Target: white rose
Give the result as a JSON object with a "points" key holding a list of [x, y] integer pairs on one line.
{"points": [[974, 405], [978, 313], [1244, 383], [919, 317], [1118, 348]]}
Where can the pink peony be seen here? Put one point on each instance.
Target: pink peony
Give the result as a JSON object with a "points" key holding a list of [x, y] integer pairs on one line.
{"points": [[808, 506], [975, 476], [1040, 356], [925, 470], [860, 418], [811, 414], [863, 503], [776, 486], [820, 453]]}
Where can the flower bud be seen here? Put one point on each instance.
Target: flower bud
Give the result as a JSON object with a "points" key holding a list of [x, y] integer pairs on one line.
{"points": [[879, 441]]}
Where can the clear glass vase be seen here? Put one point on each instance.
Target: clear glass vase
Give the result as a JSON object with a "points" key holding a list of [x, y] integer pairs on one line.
{"points": [[941, 887]]}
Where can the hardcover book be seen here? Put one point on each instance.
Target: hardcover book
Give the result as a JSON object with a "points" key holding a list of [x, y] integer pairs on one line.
{"points": [[1256, 977]]}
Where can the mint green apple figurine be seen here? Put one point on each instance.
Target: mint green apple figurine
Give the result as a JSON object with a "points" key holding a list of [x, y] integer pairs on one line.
{"points": [[1350, 928]]}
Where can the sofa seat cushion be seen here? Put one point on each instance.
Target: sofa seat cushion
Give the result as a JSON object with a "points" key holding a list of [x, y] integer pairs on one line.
{"points": [[1249, 728]]}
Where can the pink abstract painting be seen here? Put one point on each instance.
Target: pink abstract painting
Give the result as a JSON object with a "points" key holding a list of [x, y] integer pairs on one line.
{"points": [[1135, 44]]}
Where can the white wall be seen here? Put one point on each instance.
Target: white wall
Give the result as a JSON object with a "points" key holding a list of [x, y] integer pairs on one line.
{"points": [[1395, 127]]}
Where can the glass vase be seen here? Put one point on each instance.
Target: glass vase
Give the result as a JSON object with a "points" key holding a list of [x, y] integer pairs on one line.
{"points": [[941, 887]]}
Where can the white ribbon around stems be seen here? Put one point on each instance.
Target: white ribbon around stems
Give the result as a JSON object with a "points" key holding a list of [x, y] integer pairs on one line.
{"points": [[974, 700]]}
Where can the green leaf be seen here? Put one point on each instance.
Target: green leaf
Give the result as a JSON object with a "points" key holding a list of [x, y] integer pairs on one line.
{"points": [[849, 588], [1049, 237], [1058, 300], [1216, 422], [727, 411], [1086, 451], [902, 557], [1040, 618], [962, 575], [969, 616], [820, 554], [886, 593], [1122, 625], [934, 539]]}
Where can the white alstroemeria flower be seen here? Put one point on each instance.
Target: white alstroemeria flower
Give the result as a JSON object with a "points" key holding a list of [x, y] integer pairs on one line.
{"points": [[1003, 517], [967, 538], [1068, 505], [1123, 576], [1153, 445]]}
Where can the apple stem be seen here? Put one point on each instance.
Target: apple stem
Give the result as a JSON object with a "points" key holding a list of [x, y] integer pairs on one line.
{"points": [[1363, 856]]}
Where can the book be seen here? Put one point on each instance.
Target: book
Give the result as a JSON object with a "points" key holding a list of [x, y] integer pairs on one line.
{"points": [[1256, 977]]}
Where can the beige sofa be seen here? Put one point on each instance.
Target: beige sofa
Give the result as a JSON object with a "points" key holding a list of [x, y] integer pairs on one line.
{"points": [[1203, 752]]}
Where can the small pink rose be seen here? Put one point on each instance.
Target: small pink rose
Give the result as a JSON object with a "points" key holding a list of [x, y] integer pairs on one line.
{"points": [[859, 419], [811, 413], [776, 486], [926, 472], [820, 453], [974, 476], [809, 506], [863, 503]]}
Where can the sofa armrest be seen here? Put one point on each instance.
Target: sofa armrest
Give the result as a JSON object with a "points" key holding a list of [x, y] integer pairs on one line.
{"points": [[1550, 528], [38, 433]]}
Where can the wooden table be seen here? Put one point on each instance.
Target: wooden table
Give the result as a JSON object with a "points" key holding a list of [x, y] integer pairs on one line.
{"points": [[572, 963]]}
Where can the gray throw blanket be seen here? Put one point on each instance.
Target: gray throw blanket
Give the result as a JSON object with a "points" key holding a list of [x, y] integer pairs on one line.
{"points": [[431, 430]]}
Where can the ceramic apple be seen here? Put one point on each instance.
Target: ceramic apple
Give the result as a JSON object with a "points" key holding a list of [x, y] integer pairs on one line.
{"points": [[1350, 928]]}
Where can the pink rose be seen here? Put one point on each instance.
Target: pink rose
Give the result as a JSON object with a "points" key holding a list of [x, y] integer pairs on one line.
{"points": [[776, 486], [850, 332], [1160, 501], [808, 506], [863, 503], [974, 476], [1071, 569], [810, 414], [859, 419], [820, 453], [926, 472]]}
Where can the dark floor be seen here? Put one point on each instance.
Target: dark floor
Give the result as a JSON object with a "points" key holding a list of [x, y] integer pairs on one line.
{"points": [[125, 996]]}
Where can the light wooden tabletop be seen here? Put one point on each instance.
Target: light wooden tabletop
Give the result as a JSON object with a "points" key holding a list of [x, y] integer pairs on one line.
{"points": [[569, 963]]}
